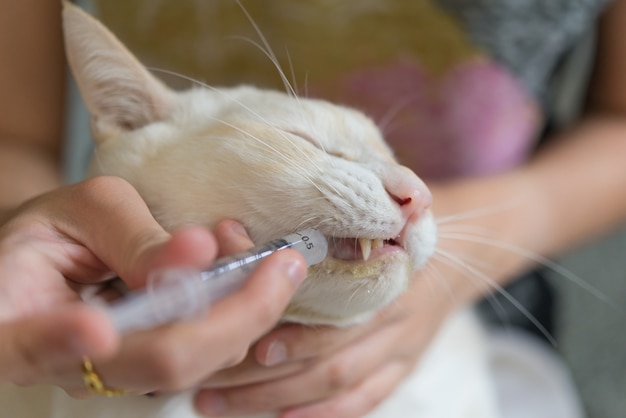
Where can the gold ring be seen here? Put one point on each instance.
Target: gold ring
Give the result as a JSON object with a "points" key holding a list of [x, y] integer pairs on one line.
{"points": [[94, 383]]}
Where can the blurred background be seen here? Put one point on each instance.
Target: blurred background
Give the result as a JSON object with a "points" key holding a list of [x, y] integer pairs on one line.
{"points": [[591, 333]]}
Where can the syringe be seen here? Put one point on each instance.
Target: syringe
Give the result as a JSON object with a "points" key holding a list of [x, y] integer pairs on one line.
{"points": [[179, 294]]}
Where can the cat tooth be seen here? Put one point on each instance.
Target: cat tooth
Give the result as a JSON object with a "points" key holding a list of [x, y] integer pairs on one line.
{"points": [[366, 247], [377, 243]]}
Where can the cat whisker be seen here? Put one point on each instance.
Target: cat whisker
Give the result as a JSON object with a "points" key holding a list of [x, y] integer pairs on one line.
{"points": [[293, 73], [251, 111], [488, 294], [441, 280], [306, 84], [288, 87], [311, 222], [289, 162], [473, 261], [352, 295], [385, 120], [478, 213], [529, 255], [464, 228], [308, 223], [268, 51], [220, 92], [284, 159], [328, 221], [459, 265], [192, 80]]}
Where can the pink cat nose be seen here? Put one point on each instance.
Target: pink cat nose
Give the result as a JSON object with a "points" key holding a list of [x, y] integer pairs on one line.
{"points": [[409, 192]]}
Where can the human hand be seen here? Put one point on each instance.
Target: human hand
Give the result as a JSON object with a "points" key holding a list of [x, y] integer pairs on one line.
{"points": [[86, 233], [326, 371]]}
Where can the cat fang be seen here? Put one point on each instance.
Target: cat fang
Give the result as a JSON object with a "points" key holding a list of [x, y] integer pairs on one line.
{"points": [[359, 249]]}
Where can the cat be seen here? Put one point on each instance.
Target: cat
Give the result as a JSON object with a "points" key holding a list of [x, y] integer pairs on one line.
{"points": [[278, 163]]}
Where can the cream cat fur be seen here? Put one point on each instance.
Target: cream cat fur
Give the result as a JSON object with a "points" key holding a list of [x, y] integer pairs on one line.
{"points": [[278, 164]]}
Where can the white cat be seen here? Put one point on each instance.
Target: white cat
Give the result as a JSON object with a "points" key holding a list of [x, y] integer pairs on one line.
{"points": [[278, 164]]}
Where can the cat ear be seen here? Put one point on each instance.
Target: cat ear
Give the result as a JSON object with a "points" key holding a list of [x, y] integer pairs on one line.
{"points": [[119, 92]]}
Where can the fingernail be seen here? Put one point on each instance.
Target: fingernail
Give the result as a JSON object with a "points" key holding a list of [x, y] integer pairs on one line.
{"points": [[295, 271], [211, 403], [276, 353], [239, 229]]}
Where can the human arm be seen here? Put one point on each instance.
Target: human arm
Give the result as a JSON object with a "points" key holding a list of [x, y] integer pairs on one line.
{"points": [[570, 192], [31, 101]]}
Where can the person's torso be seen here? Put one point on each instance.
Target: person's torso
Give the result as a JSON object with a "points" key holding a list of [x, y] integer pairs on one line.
{"points": [[457, 86]]}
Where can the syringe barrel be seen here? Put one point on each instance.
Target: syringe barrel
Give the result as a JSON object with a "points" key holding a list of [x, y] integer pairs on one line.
{"points": [[182, 293], [310, 243], [171, 295]]}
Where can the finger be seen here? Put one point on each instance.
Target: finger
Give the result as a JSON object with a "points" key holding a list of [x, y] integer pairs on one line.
{"points": [[232, 237], [189, 246], [250, 371], [293, 342], [117, 226], [181, 355], [358, 401], [304, 345], [296, 342], [329, 377], [45, 347], [259, 305]]}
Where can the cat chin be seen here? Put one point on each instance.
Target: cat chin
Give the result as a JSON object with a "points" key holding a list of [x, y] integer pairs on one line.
{"points": [[342, 293], [295, 314], [337, 298]]}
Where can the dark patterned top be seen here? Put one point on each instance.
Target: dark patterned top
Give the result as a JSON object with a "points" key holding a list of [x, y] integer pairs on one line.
{"points": [[527, 36]]}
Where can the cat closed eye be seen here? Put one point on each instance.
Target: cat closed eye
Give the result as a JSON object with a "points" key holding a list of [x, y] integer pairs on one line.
{"points": [[306, 137], [309, 139]]}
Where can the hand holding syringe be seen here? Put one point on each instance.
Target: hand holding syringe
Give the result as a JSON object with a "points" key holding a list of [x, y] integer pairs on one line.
{"points": [[178, 294]]}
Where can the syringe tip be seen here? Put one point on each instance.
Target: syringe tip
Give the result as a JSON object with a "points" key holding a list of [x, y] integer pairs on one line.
{"points": [[315, 246]]}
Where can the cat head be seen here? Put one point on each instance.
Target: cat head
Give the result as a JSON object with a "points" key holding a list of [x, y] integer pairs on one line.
{"points": [[273, 161]]}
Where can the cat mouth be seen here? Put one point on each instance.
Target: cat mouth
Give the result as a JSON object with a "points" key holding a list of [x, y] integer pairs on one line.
{"points": [[361, 249]]}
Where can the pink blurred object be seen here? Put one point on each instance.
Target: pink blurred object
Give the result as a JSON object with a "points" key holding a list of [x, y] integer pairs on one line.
{"points": [[475, 119]]}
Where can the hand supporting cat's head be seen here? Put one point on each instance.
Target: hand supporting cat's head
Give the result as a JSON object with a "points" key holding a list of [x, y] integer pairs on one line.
{"points": [[273, 161]]}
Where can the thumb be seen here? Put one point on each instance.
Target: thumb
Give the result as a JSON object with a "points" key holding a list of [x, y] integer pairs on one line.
{"points": [[116, 225], [39, 348]]}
